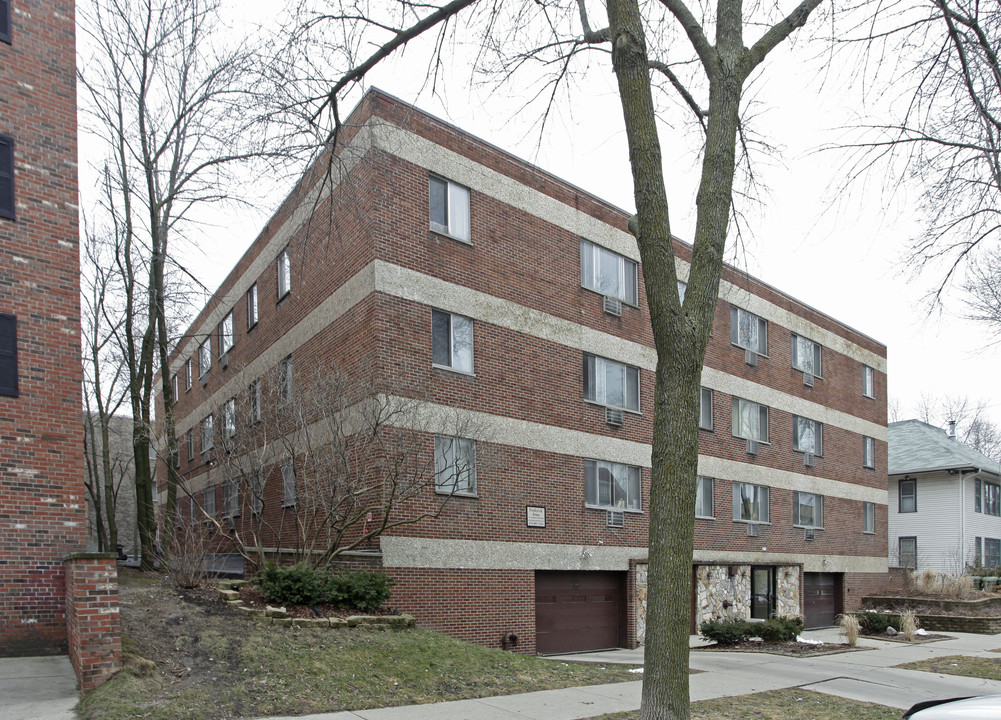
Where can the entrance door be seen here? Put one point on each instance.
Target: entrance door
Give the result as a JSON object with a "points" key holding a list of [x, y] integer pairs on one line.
{"points": [[762, 592], [577, 611], [821, 598]]}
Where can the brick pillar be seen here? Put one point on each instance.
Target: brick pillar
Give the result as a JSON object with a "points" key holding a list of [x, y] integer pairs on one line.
{"points": [[92, 620]]}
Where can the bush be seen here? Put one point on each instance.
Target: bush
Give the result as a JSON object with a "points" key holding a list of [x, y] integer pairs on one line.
{"points": [[779, 629], [874, 623], [365, 591], [301, 585], [726, 632], [289, 585]]}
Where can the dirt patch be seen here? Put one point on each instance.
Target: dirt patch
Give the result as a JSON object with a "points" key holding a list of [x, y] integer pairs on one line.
{"points": [[794, 649]]}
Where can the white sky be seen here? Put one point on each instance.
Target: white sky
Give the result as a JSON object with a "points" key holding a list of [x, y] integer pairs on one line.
{"points": [[836, 252]]}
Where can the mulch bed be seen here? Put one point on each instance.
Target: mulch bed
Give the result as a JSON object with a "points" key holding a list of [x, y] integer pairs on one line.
{"points": [[252, 598], [793, 649], [918, 639]]}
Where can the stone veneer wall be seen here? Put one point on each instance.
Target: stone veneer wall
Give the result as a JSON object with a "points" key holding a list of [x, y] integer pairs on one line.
{"points": [[640, 578], [714, 587], [787, 590]]}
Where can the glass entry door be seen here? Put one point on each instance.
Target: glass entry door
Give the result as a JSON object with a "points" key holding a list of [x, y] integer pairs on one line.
{"points": [[762, 592]]}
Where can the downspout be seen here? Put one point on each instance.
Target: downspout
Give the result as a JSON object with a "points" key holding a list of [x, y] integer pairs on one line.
{"points": [[962, 523]]}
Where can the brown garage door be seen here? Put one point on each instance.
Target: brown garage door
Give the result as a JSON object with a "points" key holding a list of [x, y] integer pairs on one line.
{"points": [[577, 611], [821, 598]]}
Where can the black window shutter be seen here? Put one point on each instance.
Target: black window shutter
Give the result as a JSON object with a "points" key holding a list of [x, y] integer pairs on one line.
{"points": [[6, 176], [5, 21], [8, 355]]}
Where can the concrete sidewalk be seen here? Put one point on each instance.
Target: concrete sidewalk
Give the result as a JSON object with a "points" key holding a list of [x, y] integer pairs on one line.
{"points": [[37, 688]]}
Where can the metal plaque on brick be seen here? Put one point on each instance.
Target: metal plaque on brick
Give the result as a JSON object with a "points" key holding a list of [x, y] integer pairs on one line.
{"points": [[535, 516]]}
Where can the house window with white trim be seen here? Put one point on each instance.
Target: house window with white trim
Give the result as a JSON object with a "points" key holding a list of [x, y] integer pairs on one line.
{"points": [[611, 485], [978, 551], [750, 420], [750, 503], [704, 497], [748, 331], [907, 552], [807, 435], [987, 497], [449, 204], [608, 273], [868, 452], [806, 355], [455, 465], [907, 495], [869, 518], [289, 490], [252, 306], [284, 274], [706, 409], [807, 510], [992, 552], [868, 382], [226, 334], [451, 341], [611, 383]]}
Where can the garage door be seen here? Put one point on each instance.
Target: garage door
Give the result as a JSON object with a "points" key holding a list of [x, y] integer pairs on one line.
{"points": [[577, 611], [821, 596]]}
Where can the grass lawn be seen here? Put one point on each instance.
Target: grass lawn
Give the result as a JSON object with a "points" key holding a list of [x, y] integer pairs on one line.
{"points": [[190, 656], [789, 704], [986, 668]]}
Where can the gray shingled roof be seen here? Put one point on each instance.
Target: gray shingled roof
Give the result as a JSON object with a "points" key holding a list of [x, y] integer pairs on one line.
{"points": [[915, 446]]}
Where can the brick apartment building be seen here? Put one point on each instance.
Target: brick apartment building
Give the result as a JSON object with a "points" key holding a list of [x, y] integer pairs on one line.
{"points": [[503, 295], [43, 516]]}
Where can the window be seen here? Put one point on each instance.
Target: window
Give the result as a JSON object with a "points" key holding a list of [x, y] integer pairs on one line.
{"points": [[257, 503], [869, 518], [449, 208], [807, 510], [187, 375], [978, 495], [987, 497], [205, 357], [907, 552], [611, 383], [608, 273], [5, 34], [807, 435], [682, 289], [285, 381], [226, 337], [229, 417], [978, 551], [748, 331], [908, 490], [706, 409], [992, 552], [6, 172], [208, 434], [191, 444], [750, 420], [208, 503], [868, 452], [750, 503], [173, 388], [611, 485], [806, 355], [254, 391], [455, 465], [868, 381], [8, 355], [452, 341], [289, 493], [284, 274], [252, 306], [231, 498], [704, 497]]}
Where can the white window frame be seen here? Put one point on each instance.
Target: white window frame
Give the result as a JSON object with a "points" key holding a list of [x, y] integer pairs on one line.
{"points": [[868, 382], [456, 226], [991, 494], [449, 477], [706, 409], [631, 485], [191, 444], [205, 357], [900, 551], [868, 452], [804, 499], [738, 415], [208, 433], [227, 334], [704, 494], [596, 368], [758, 503], [252, 306], [229, 418], [460, 333], [188, 375], [994, 554], [813, 350], [869, 518], [290, 493], [978, 551], [285, 380], [800, 427], [758, 343], [627, 273], [174, 387], [284, 274], [254, 392], [913, 495], [208, 503]]}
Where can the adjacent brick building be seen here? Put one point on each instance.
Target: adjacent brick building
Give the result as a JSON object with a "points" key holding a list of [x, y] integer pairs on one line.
{"points": [[510, 306]]}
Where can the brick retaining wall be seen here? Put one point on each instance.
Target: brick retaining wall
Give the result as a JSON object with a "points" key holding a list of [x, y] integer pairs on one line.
{"points": [[92, 619]]}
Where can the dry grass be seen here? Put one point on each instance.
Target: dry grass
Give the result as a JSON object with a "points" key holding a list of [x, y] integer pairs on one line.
{"points": [[908, 624], [850, 628], [977, 667]]}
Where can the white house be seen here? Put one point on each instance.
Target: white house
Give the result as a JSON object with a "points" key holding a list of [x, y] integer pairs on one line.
{"points": [[944, 501]]}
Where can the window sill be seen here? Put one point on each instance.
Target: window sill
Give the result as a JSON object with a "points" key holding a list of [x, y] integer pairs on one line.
{"points": [[868, 532], [288, 504], [610, 508], [705, 517], [625, 303], [868, 397], [595, 403], [808, 527], [801, 452], [457, 493], [760, 442], [457, 371], [801, 370], [751, 522], [760, 355], [444, 233]]}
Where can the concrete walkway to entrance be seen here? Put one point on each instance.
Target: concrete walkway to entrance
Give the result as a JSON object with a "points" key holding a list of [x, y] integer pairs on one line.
{"points": [[37, 688]]}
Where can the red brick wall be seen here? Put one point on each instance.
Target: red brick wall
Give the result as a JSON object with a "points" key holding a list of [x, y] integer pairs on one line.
{"points": [[42, 507], [92, 618]]}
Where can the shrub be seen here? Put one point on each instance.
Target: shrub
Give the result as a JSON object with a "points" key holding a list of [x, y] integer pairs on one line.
{"points": [[908, 624], [365, 591], [850, 628], [302, 585], [874, 623], [726, 632], [779, 629], [185, 557], [289, 585]]}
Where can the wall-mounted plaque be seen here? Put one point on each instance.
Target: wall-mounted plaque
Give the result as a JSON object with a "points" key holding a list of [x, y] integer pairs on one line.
{"points": [[535, 516]]}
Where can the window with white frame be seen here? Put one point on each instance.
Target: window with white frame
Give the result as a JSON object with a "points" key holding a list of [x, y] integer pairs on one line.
{"points": [[285, 380], [750, 503], [807, 510], [682, 289], [992, 552], [188, 376], [907, 552], [750, 420], [704, 497], [174, 387], [868, 452], [231, 498], [284, 274], [706, 409], [806, 355], [208, 503], [907, 495], [807, 435], [869, 518], [978, 551], [612, 485], [289, 491], [608, 273], [226, 336], [987, 497], [252, 306], [208, 434], [229, 417], [455, 465], [451, 341], [748, 331], [205, 357], [449, 205], [254, 393], [191, 444], [611, 383], [868, 381]]}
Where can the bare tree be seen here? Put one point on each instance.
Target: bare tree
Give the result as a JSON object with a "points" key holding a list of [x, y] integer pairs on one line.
{"points": [[698, 57], [973, 425]]}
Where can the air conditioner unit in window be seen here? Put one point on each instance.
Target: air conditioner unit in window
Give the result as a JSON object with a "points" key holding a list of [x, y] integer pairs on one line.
{"points": [[809, 534], [751, 357], [614, 417], [808, 379], [753, 530], [752, 447], [808, 459], [615, 519], [613, 306]]}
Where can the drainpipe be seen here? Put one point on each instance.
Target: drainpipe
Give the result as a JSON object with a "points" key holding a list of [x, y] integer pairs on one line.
{"points": [[962, 515]]}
